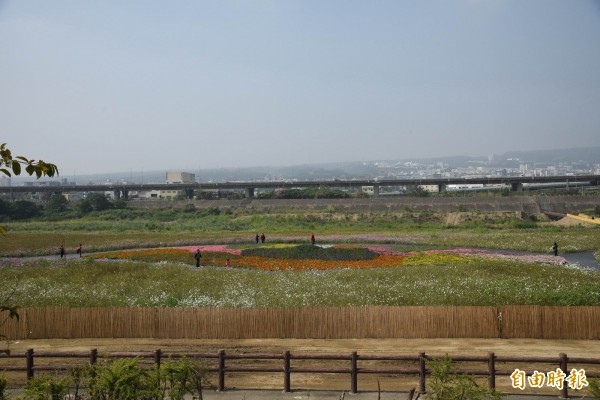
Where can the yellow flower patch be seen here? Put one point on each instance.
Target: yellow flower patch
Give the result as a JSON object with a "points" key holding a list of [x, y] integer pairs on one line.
{"points": [[278, 246], [275, 264], [436, 259]]}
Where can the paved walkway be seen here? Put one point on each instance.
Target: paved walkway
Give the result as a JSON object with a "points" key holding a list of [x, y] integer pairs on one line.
{"points": [[321, 395], [584, 259], [334, 395]]}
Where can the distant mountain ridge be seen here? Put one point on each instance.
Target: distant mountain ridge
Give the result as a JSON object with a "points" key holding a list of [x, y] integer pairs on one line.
{"points": [[344, 170], [579, 154]]}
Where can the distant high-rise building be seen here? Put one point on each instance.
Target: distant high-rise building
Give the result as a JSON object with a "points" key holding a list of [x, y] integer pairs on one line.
{"points": [[176, 177], [180, 177], [4, 181]]}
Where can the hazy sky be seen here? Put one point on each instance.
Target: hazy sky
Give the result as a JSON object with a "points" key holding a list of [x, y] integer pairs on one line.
{"points": [[120, 85]]}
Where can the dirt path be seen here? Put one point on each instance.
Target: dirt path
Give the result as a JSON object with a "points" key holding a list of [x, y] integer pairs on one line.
{"points": [[512, 347], [306, 381]]}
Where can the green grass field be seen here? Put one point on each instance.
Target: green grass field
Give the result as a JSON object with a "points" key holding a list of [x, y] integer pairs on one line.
{"points": [[175, 283], [118, 229]]}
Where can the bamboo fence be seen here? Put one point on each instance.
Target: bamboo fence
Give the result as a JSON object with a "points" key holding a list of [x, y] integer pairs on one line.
{"points": [[542, 322], [551, 322]]}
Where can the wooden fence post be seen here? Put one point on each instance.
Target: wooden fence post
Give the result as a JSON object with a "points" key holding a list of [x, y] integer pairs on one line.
{"points": [[157, 357], [29, 363], [221, 386], [286, 372], [93, 357], [354, 373], [422, 372], [564, 393], [492, 371]]}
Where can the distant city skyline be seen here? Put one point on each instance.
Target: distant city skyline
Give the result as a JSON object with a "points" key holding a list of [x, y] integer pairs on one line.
{"points": [[117, 86], [556, 162]]}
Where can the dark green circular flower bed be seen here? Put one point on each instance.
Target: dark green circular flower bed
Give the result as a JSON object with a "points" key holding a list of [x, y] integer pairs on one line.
{"points": [[313, 252]]}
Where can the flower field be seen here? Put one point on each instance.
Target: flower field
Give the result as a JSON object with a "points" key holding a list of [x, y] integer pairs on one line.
{"points": [[306, 258], [416, 279]]}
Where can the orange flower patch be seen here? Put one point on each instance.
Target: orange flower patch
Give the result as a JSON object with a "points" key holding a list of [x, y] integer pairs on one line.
{"points": [[275, 264]]}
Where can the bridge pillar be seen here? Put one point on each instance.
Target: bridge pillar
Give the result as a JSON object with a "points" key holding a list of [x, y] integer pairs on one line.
{"points": [[189, 193], [516, 187], [441, 187], [249, 192], [117, 194], [125, 194], [375, 190]]}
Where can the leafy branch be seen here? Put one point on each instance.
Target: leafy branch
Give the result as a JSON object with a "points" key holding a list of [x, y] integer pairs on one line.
{"points": [[13, 165]]}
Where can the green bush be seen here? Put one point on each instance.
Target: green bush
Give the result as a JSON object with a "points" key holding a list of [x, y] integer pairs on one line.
{"points": [[308, 193], [446, 384], [3, 386], [57, 203], [46, 387], [524, 224], [594, 387], [122, 379], [24, 210], [184, 377], [126, 379], [94, 202]]}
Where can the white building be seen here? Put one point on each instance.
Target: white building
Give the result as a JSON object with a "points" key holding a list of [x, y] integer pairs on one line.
{"points": [[430, 188], [180, 177], [176, 177]]}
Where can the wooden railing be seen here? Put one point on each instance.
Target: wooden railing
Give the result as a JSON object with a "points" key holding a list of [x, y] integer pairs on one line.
{"points": [[415, 365]]}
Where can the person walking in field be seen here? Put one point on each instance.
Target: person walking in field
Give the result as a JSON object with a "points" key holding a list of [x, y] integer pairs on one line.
{"points": [[79, 250], [198, 256], [227, 263], [555, 249], [312, 239], [262, 238], [62, 251], [257, 238]]}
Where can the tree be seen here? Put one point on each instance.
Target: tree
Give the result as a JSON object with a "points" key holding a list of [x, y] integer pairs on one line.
{"points": [[57, 203], [5, 209], [24, 209], [419, 191], [9, 164], [94, 202]]}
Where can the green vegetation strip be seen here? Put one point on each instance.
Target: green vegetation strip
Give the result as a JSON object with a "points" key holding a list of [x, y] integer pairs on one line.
{"points": [[86, 283], [46, 240]]}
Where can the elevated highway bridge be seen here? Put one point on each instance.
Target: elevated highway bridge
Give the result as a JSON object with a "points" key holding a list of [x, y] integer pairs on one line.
{"points": [[123, 190]]}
